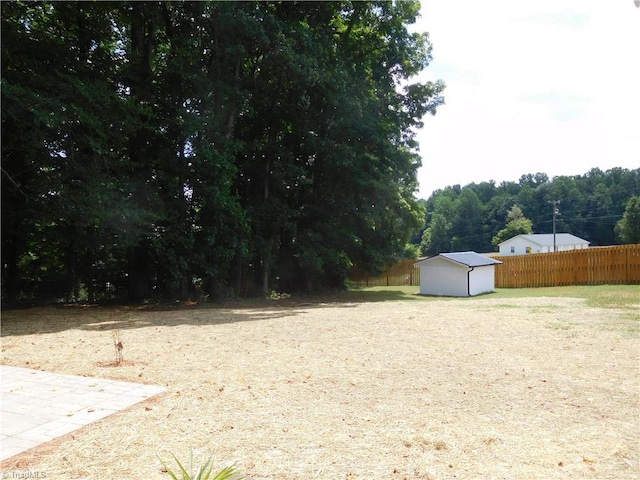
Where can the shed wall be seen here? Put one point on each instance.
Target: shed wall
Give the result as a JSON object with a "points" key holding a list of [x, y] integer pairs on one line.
{"points": [[443, 277], [482, 280]]}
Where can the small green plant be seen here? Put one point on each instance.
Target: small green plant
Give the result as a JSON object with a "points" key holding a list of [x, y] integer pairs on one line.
{"points": [[204, 471], [273, 295]]}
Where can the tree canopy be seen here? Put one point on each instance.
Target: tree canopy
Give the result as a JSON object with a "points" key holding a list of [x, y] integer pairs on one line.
{"points": [[517, 224], [180, 149], [479, 216], [628, 227]]}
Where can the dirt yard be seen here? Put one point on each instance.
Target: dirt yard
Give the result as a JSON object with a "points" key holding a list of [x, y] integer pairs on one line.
{"points": [[481, 388]]}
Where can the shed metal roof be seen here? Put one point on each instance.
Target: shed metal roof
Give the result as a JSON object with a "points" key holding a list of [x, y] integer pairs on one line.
{"points": [[470, 259]]}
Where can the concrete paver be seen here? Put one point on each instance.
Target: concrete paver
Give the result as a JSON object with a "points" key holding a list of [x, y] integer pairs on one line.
{"points": [[37, 406]]}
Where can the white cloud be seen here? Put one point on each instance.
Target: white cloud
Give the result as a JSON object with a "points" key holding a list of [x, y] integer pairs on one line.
{"points": [[549, 86]]}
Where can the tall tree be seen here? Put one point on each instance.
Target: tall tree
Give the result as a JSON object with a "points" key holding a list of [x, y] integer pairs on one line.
{"points": [[628, 227], [517, 224], [468, 228], [197, 148], [58, 91], [437, 236]]}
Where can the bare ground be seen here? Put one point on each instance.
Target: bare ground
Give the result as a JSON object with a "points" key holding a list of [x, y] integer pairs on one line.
{"points": [[532, 388]]}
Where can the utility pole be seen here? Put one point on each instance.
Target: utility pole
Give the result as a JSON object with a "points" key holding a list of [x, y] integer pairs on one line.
{"points": [[556, 212]]}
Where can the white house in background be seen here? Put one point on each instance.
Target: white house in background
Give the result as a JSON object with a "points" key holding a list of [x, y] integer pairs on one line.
{"points": [[540, 243], [457, 274]]}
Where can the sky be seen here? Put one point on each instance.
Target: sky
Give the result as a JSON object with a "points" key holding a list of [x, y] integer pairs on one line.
{"points": [[549, 86]]}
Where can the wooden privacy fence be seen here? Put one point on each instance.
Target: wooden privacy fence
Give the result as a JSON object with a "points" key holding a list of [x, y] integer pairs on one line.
{"points": [[404, 273], [590, 266]]}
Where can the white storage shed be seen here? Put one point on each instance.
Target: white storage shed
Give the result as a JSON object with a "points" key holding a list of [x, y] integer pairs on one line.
{"points": [[457, 274]]}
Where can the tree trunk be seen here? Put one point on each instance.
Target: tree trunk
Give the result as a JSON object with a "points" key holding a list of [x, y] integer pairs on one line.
{"points": [[142, 35], [10, 285], [138, 288], [265, 275]]}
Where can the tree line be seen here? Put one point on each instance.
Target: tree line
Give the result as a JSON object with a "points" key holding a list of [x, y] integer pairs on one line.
{"points": [[602, 207], [173, 150]]}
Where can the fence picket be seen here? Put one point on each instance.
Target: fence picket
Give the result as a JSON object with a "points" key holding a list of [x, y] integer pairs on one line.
{"points": [[592, 266]]}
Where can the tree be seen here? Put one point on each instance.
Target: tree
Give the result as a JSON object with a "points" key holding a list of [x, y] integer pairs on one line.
{"points": [[62, 140], [517, 224], [628, 227], [200, 148], [437, 236], [591, 204], [468, 225], [515, 213], [330, 173]]}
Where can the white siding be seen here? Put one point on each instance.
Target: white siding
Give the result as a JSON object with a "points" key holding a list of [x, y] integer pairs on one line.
{"points": [[578, 246], [482, 280], [439, 276], [520, 247], [520, 244]]}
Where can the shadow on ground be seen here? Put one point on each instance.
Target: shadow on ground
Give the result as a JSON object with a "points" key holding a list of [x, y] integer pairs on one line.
{"points": [[95, 318]]}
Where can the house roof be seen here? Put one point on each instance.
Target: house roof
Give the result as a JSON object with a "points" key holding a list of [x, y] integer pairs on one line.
{"points": [[546, 239], [469, 259]]}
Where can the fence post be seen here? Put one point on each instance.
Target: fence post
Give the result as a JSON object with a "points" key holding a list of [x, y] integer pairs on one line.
{"points": [[626, 265]]}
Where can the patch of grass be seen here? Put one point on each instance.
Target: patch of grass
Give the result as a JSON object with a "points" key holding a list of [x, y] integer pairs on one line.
{"points": [[599, 296], [545, 308], [633, 316], [625, 297], [628, 328], [567, 327], [622, 298], [559, 326]]}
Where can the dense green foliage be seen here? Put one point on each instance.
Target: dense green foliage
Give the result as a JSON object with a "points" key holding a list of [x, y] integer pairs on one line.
{"points": [[517, 224], [628, 227], [182, 149], [479, 216]]}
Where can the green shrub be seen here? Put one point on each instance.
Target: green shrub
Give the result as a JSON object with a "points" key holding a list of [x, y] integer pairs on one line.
{"points": [[204, 471]]}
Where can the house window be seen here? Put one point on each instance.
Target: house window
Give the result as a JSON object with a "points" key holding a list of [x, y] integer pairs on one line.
{"points": [[528, 249], [513, 249]]}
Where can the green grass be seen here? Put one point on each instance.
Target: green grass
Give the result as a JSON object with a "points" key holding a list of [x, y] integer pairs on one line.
{"points": [[620, 297], [625, 297]]}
